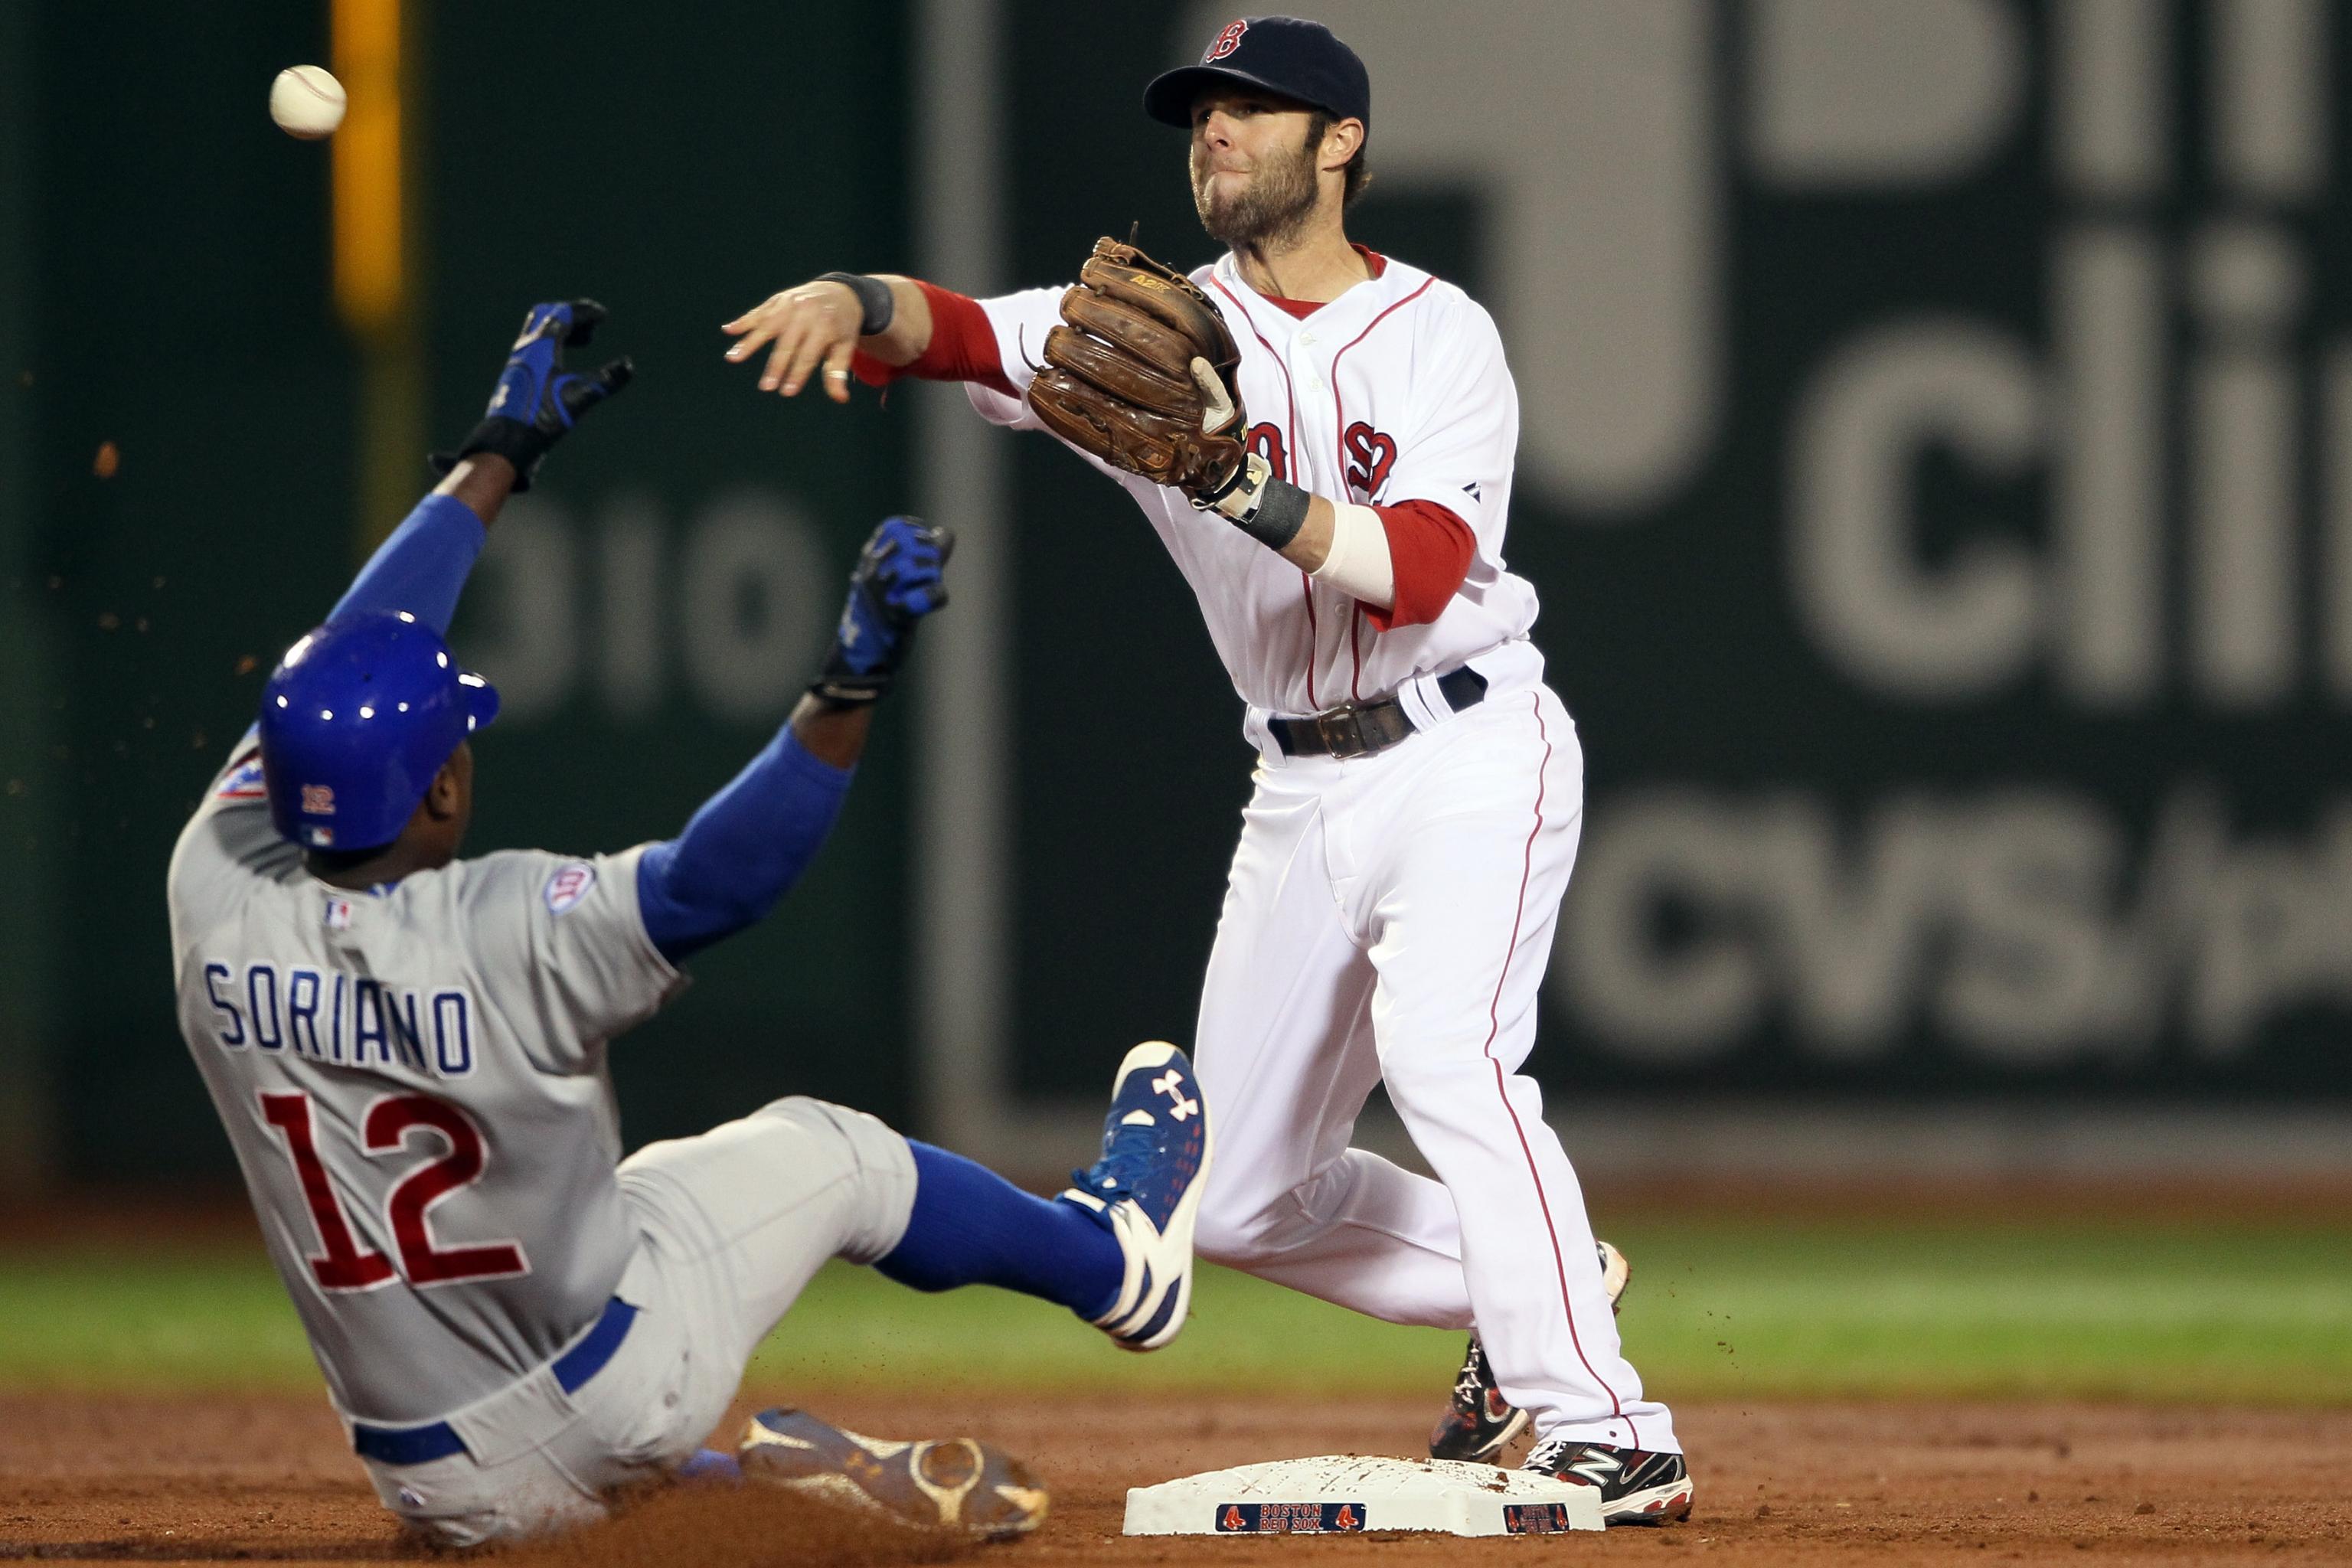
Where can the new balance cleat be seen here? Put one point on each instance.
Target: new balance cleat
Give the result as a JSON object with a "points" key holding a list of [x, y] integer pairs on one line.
{"points": [[958, 1484], [1479, 1422], [1146, 1190], [1636, 1488]]}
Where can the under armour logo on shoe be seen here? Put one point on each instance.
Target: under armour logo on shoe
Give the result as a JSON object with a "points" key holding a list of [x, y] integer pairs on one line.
{"points": [[1172, 1084]]}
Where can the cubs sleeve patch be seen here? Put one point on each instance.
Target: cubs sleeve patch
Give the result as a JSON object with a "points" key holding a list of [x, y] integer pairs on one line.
{"points": [[569, 886]]}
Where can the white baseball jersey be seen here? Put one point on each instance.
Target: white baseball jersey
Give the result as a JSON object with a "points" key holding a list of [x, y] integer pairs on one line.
{"points": [[1396, 391], [1388, 917], [413, 1081]]}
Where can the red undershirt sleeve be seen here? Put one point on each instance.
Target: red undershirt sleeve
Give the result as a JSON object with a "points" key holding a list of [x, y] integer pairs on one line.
{"points": [[962, 347], [1429, 553]]}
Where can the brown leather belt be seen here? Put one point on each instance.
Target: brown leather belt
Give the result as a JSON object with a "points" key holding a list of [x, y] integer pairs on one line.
{"points": [[1361, 729]]}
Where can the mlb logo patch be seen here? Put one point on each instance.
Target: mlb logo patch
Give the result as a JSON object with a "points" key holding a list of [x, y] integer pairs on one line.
{"points": [[338, 914], [318, 800], [568, 886], [244, 782]]}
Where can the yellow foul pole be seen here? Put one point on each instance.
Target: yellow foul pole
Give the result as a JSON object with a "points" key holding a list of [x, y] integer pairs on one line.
{"points": [[375, 253]]}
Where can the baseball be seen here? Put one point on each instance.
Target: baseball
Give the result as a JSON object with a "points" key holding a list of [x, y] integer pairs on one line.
{"points": [[307, 101]]}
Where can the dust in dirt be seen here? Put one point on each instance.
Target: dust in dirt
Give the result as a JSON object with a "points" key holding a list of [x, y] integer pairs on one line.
{"points": [[116, 1477], [747, 1527]]}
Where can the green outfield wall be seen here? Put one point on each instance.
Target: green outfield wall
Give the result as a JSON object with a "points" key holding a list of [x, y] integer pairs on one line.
{"points": [[26, 838], [650, 611], [1936, 465], [1937, 468]]}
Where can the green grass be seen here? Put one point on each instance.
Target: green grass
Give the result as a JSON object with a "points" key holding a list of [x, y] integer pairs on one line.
{"points": [[1862, 1308]]}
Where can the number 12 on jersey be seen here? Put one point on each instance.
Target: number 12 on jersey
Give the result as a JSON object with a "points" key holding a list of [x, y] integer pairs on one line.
{"points": [[343, 1264]]}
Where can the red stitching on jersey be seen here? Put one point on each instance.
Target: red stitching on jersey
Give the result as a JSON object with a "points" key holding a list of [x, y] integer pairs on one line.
{"points": [[1494, 1026], [1291, 456], [1339, 413], [1290, 461]]}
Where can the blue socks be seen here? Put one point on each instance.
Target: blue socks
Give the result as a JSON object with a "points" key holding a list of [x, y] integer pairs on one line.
{"points": [[972, 1227]]}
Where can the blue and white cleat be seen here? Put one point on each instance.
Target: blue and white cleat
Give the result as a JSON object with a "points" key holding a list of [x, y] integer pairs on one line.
{"points": [[958, 1484], [1146, 1190]]}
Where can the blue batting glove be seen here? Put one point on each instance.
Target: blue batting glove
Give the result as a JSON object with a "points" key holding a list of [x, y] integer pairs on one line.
{"points": [[536, 399], [897, 582]]}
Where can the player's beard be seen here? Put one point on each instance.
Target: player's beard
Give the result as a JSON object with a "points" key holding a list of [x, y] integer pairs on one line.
{"points": [[1273, 207]]}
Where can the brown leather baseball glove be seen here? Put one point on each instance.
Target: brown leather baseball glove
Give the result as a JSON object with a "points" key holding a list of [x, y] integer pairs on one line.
{"points": [[1143, 376]]}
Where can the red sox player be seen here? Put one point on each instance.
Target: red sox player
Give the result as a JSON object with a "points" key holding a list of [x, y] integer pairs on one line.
{"points": [[1420, 789]]}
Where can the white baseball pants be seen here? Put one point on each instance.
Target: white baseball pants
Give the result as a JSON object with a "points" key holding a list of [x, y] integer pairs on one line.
{"points": [[1388, 919]]}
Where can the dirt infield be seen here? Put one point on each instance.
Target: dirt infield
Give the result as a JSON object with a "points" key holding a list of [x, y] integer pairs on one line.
{"points": [[220, 1479]]}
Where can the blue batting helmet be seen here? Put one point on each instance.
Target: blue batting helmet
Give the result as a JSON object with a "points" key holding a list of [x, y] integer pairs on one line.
{"points": [[356, 719]]}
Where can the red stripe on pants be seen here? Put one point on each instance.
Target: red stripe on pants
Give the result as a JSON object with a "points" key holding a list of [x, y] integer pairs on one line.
{"points": [[1494, 1026]]}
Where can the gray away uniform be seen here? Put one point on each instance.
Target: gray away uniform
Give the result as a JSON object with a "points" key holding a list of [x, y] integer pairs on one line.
{"points": [[414, 1083]]}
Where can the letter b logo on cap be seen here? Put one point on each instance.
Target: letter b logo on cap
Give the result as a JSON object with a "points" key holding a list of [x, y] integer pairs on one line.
{"points": [[1227, 42]]}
